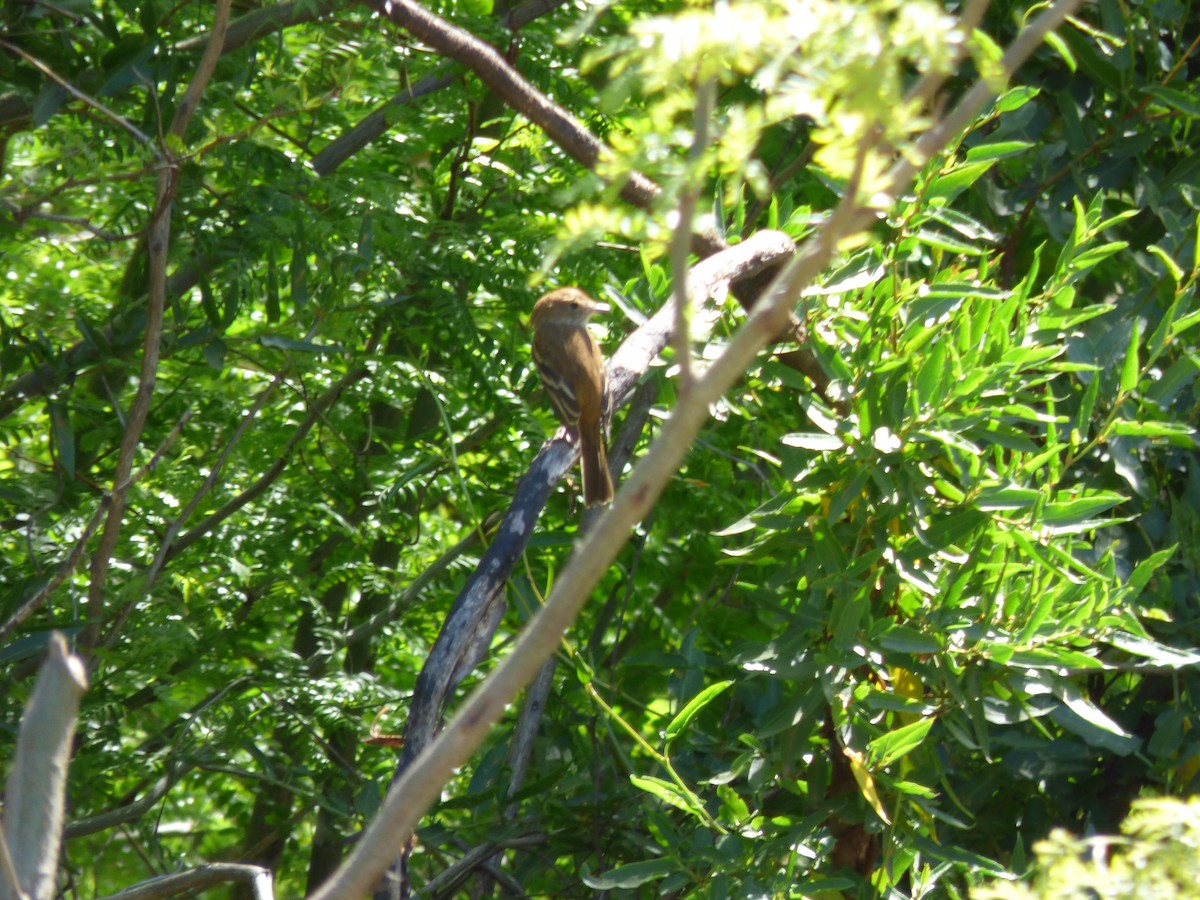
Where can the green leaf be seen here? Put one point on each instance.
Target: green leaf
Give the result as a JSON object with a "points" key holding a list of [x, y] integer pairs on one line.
{"points": [[812, 441], [997, 150], [903, 639], [64, 436], [1146, 569], [1080, 715], [214, 354], [1044, 604], [887, 749], [1158, 654], [208, 303], [299, 274], [49, 98], [1185, 322], [1087, 404], [994, 498], [1056, 659], [1176, 100], [1130, 368], [277, 342], [697, 703], [1169, 264], [1014, 98], [271, 301], [951, 182], [665, 791], [1177, 433], [1062, 49], [1079, 509], [1093, 256], [631, 875]]}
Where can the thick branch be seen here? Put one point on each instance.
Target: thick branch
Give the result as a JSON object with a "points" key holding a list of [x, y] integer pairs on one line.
{"points": [[486, 62], [198, 879], [33, 799]]}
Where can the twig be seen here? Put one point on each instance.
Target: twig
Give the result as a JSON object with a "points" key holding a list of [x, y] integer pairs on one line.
{"points": [[681, 240], [75, 92], [267, 478], [68, 565]]}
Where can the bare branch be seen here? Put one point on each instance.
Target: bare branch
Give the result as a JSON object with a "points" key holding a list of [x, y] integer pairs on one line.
{"points": [[34, 795], [172, 885], [75, 92]]}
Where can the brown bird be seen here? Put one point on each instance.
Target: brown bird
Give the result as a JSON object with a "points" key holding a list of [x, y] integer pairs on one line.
{"points": [[572, 370]]}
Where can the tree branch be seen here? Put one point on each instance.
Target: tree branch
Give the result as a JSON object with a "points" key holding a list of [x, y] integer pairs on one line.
{"points": [[376, 124], [198, 879], [36, 787]]}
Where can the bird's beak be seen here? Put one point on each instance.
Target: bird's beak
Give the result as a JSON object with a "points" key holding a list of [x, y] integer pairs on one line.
{"points": [[596, 307]]}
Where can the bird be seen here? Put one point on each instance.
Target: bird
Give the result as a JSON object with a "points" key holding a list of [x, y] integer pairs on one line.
{"points": [[572, 369]]}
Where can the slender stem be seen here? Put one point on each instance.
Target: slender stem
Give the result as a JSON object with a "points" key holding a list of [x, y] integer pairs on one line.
{"points": [[681, 240]]}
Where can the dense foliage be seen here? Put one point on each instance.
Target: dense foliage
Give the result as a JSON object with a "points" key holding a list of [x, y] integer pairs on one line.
{"points": [[886, 629]]}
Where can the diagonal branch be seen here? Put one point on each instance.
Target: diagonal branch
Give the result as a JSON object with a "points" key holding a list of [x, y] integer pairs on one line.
{"points": [[140, 136], [493, 70], [377, 123]]}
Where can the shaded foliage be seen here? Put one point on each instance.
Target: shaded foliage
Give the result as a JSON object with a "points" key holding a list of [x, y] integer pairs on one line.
{"points": [[921, 618]]}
